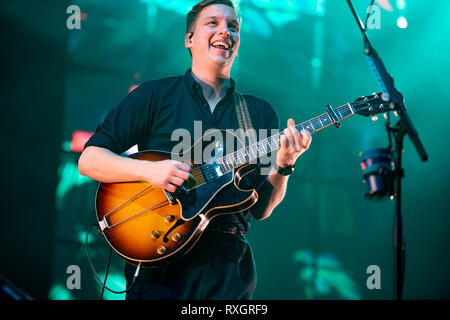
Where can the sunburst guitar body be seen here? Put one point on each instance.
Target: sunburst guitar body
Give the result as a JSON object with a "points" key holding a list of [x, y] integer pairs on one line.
{"points": [[149, 225]]}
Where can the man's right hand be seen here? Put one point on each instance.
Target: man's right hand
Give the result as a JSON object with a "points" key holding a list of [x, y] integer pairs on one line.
{"points": [[166, 174], [105, 166]]}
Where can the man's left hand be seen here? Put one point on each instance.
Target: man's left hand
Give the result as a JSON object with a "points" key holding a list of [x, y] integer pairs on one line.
{"points": [[292, 144]]}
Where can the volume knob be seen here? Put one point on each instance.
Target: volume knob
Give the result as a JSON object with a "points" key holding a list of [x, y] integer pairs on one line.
{"points": [[169, 218], [156, 234], [161, 250], [176, 236]]}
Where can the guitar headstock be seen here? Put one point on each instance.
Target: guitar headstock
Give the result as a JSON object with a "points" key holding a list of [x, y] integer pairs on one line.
{"points": [[372, 105]]}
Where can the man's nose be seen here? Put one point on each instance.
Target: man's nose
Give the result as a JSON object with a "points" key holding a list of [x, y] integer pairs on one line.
{"points": [[225, 30]]}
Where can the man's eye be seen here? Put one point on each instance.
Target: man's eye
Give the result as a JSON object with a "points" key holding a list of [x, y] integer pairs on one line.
{"points": [[212, 22]]}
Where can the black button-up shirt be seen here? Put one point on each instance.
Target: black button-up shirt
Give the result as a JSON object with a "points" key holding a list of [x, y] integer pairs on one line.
{"points": [[149, 114]]}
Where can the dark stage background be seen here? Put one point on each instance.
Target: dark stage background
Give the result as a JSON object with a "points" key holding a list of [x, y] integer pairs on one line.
{"points": [[299, 56]]}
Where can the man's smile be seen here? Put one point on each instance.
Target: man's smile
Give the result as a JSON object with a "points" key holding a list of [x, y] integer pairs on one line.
{"points": [[225, 45]]}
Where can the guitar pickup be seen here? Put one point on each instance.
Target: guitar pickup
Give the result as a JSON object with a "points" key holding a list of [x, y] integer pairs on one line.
{"points": [[211, 171]]}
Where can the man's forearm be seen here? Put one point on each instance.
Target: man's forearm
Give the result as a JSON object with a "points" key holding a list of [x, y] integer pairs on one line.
{"points": [[105, 166], [270, 195]]}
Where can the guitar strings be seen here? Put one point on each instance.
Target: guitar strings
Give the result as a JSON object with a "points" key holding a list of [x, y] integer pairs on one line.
{"points": [[136, 214], [262, 143], [126, 201], [199, 170]]}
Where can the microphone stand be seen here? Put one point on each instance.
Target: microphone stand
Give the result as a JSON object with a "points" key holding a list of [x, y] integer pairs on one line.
{"points": [[404, 126]]}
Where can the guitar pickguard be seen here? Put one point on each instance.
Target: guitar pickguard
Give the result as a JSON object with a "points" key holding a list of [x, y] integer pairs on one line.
{"points": [[195, 200]]}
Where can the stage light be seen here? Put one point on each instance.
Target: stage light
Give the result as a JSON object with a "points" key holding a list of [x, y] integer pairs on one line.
{"points": [[402, 23], [401, 4], [378, 169], [79, 139], [132, 88], [316, 63]]}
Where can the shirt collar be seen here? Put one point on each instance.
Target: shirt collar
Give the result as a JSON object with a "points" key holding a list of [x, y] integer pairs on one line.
{"points": [[196, 90]]}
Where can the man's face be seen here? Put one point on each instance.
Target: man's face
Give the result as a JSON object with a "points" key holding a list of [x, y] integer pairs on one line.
{"points": [[216, 36]]}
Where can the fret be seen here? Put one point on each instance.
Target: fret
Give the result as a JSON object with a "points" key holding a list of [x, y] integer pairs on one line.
{"points": [[351, 108], [259, 148], [225, 167], [239, 158], [325, 119], [308, 127], [274, 146], [251, 150], [220, 163], [316, 124], [321, 123], [240, 154], [229, 161], [247, 157], [265, 146], [337, 109], [255, 150], [344, 111], [268, 148], [235, 159]]}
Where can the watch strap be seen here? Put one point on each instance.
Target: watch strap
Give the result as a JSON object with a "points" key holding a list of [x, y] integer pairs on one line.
{"points": [[286, 170]]}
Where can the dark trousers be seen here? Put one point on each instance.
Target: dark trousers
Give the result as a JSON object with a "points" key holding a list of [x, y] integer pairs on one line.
{"points": [[219, 267]]}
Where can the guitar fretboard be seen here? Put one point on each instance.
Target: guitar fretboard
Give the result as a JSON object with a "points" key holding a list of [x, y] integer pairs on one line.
{"points": [[272, 143]]}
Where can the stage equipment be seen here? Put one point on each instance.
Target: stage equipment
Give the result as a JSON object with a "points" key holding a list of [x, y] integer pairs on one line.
{"points": [[404, 126], [378, 173]]}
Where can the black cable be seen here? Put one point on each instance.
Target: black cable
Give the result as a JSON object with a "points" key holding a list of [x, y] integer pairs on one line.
{"points": [[106, 275], [103, 284]]}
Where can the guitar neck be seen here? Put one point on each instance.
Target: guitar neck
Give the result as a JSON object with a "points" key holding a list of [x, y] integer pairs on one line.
{"points": [[272, 143]]}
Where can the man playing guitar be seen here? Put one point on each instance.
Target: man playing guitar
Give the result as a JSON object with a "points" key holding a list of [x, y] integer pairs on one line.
{"points": [[221, 265]]}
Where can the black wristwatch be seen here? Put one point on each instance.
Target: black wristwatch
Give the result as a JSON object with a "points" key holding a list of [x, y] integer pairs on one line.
{"points": [[285, 171]]}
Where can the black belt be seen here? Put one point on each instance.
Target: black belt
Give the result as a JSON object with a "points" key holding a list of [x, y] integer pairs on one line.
{"points": [[232, 230]]}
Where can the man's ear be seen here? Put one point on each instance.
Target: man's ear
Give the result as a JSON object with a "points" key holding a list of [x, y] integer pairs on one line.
{"points": [[188, 40]]}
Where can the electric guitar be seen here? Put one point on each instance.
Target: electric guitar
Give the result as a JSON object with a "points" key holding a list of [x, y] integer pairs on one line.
{"points": [[150, 226]]}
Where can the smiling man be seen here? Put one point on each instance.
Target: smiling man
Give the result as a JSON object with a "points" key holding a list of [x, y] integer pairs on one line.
{"points": [[221, 264]]}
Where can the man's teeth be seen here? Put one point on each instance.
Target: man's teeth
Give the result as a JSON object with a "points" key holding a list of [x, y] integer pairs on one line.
{"points": [[220, 44]]}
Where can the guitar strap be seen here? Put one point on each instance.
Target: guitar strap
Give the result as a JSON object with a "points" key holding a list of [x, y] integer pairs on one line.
{"points": [[248, 136]]}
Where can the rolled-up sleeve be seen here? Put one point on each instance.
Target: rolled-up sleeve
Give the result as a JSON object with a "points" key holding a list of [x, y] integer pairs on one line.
{"points": [[127, 124]]}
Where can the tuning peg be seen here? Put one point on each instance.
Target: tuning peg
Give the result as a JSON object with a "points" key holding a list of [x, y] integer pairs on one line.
{"points": [[374, 118]]}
